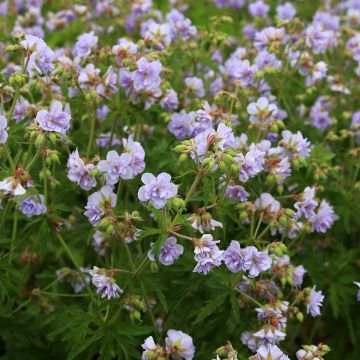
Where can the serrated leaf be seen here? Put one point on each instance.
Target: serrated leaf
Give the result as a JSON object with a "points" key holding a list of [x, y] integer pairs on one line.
{"points": [[210, 307]]}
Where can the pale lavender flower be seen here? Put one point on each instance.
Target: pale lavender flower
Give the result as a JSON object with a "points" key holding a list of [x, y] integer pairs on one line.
{"points": [[12, 186], [240, 70], [261, 111], [285, 11], [295, 145], [324, 218], [88, 76], [103, 140], [180, 345], [267, 203], [41, 57], [182, 124], [21, 107], [170, 100], [298, 275], [207, 254], [116, 167], [251, 164], [314, 302], [148, 346], [33, 206], [54, 120], [272, 352], [258, 8], [105, 285], [98, 202], [147, 76], [256, 261], [358, 292], [109, 83], [307, 204], [319, 39], [195, 86], [85, 44], [157, 189], [159, 35], [236, 192], [270, 335], [269, 36], [137, 153], [98, 242], [234, 257], [319, 114], [3, 132], [169, 252], [265, 59], [80, 173]]}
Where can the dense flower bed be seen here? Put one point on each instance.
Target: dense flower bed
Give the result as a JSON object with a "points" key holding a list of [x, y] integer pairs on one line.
{"points": [[179, 179]]}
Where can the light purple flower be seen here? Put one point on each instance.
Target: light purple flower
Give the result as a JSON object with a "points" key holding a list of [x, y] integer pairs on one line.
{"points": [[324, 218], [3, 132], [358, 292], [267, 203], [105, 285], [307, 204], [256, 261], [261, 111], [80, 173], [148, 346], [85, 43], [180, 345], [258, 8], [236, 192], [98, 242], [54, 120], [315, 302], [295, 144], [182, 124], [157, 189], [41, 57], [33, 206], [207, 254], [266, 352], [234, 257], [169, 252], [98, 202], [116, 167], [170, 100], [12, 186], [137, 153], [298, 275], [20, 110], [147, 76], [285, 11], [195, 86]]}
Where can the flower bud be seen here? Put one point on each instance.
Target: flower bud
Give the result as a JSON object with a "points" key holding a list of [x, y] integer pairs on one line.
{"points": [[183, 157], [300, 316]]}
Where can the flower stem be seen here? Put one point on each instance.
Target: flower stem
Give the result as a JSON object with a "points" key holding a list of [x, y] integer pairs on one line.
{"points": [[13, 236], [91, 136], [248, 297], [8, 155]]}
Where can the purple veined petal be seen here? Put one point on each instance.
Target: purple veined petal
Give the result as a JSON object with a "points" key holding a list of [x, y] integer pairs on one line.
{"points": [[147, 178]]}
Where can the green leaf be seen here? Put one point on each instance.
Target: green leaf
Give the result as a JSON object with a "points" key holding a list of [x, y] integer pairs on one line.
{"points": [[235, 307], [210, 307]]}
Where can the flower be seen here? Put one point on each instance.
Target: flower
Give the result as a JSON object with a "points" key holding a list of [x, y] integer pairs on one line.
{"points": [[147, 76], [203, 222], [314, 302], [12, 186], [149, 347], [98, 202], [116, 166], [195, 86], [80, 173], [41, 57], [298, 274], [180, 345], [182, 124], [307, 204], [54, 120], [3, 132], [169, 252], [324, 218], [234, 257], [261, 110], [358, 292], [157, 189], [33, 205], [207, 254], [236, 192], [267, 203], [295, 144], [270, 352], [256, 261], [105, 285], [285, 11], [85, 43], [137, 153]]}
